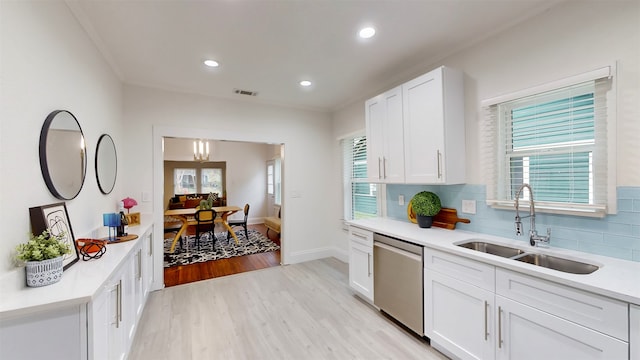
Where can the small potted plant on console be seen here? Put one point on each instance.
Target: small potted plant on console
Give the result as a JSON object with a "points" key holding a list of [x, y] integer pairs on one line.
{"points": [[426, 205], [43, 258]]}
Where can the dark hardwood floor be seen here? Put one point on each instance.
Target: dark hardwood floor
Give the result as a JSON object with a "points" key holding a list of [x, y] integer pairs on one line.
{"points": [[178, 275]]}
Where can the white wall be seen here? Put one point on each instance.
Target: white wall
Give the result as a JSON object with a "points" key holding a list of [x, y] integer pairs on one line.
{"points": [[572, 38], [47, 63], [309, 191]]}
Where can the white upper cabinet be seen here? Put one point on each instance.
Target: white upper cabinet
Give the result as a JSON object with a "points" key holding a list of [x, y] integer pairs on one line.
{"points": [[434, 139], [415, 132], [385, 153]]}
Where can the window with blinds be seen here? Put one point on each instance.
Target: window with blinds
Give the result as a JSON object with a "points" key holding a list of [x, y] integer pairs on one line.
{"points": [[361, 197], [555, 141]]}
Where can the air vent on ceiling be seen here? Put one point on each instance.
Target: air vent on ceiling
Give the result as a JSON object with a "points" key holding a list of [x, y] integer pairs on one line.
{"points": [[245, 92]]}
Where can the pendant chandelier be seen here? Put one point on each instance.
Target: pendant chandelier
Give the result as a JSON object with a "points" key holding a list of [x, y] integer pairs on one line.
{"points": [[200, 150]]}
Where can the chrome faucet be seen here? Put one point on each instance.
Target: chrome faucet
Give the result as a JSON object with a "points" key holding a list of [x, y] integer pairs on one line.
{"points": [[534, 238]]}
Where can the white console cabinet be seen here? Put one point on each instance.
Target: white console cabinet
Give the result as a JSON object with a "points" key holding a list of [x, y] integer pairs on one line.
{"points": [[361, 262], [92, 313]]}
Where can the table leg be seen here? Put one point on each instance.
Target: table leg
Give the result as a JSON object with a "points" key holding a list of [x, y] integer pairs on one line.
{"points": [[231, 231], [226, 225], [183, 228]]}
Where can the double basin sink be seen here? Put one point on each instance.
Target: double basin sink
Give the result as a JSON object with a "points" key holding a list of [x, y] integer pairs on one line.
{"points": [[543, 260]]}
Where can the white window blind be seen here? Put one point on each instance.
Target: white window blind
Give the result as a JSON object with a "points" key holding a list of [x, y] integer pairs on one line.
{"points": [[556, 141], [361, 197]]}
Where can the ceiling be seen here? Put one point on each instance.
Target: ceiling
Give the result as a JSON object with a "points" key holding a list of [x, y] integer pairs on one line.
{"points": [[269, 46]]}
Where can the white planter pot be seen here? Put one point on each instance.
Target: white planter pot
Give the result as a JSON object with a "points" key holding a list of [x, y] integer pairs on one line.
{"points": [[46, 272]]}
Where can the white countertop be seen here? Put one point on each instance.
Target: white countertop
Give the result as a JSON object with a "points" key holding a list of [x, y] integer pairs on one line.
{"points": [[616, 278], [79, 283]]}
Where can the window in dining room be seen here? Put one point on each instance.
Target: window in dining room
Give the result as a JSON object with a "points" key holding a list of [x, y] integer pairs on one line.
{"points": [[211, 180], [184, 181]]}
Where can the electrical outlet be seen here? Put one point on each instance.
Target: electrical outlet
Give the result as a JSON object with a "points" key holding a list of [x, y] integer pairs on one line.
{"points": [[469, 206], [400, 199]]}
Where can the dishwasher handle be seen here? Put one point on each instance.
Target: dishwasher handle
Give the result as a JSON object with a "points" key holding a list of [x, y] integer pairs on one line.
{"points": [[405, 253]]}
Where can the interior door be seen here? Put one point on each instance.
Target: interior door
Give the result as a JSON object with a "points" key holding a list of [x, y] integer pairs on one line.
{"points": [[271, 188]]}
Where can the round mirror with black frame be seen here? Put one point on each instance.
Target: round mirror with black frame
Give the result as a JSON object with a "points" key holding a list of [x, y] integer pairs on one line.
{"points": [[63, 156], [106, 164]]}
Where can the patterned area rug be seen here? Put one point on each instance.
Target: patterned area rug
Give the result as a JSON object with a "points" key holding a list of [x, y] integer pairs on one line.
{"points": [[223, 249]]}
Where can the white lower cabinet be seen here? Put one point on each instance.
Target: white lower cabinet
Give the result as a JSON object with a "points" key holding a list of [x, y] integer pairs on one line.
{"points": [[634, 332], [361, 262], [528, 333], [477, 311], [459, 317]]}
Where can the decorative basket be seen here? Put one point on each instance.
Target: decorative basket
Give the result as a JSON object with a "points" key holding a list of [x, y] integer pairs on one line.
{"points": [[45, 272]]}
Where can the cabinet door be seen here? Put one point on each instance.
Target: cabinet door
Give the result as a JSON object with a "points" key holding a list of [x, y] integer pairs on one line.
{"points": [[138, 287], [527, 333], [147, 273], [361, 269], [374, 119], [385, 149], [458, 317], [634, 331], [116, 330], [393, 138], [423, 128], [129, 301]]}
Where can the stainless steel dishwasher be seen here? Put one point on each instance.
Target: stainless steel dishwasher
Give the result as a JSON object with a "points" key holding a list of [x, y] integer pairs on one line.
{"points": [[397, 280]]}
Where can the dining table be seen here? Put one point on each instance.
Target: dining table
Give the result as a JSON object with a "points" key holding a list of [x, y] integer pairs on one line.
{"points": [[186, 217]]}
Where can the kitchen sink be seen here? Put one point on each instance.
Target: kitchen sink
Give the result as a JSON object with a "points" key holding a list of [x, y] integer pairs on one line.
{"points": [[489, 248], [547, 261], [560, 264]]}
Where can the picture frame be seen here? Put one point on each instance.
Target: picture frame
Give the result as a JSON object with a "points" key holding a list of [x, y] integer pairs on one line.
{"points": [[55, 219], [133, 219]]}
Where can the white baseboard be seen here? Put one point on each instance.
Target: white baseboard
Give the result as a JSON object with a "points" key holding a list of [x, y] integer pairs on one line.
{"points": [[319, 253]]}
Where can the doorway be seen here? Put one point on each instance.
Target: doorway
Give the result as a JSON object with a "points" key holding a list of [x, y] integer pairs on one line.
{"points": [[233, 197]]}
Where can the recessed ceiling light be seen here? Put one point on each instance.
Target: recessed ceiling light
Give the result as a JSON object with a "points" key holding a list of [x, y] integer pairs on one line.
{"points": [[305, 83], [367, 32], [211, 63]]}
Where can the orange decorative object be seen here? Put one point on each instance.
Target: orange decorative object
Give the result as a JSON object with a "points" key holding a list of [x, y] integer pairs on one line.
{"points": [[411, 214], [91, 248]]}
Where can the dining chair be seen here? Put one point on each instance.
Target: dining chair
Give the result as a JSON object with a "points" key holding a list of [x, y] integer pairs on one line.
{"points": [[242, 223], [205, 220]]}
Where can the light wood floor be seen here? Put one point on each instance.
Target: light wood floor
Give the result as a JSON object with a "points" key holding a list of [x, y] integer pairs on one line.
{"points": [[300, 311]]}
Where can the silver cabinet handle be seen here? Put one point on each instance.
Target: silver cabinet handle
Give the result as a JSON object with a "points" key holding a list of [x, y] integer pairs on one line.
{"points": [[363, 237], [150, 244], [439, 164], [379, 168], [369, 264], [118, 303], [486, 327], [139, 264], [384, 167], [499, 327]]}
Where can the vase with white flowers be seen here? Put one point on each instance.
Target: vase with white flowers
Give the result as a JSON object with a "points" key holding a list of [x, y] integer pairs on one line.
{"points": [[43, 258]]}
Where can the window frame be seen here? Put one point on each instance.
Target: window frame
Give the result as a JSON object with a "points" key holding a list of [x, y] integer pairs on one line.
{"points": [[350, 182], [496, 140]]}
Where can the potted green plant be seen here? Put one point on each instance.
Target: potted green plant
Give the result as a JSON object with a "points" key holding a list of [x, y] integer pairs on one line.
{"points": [[426, 205], [43, 258]]}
